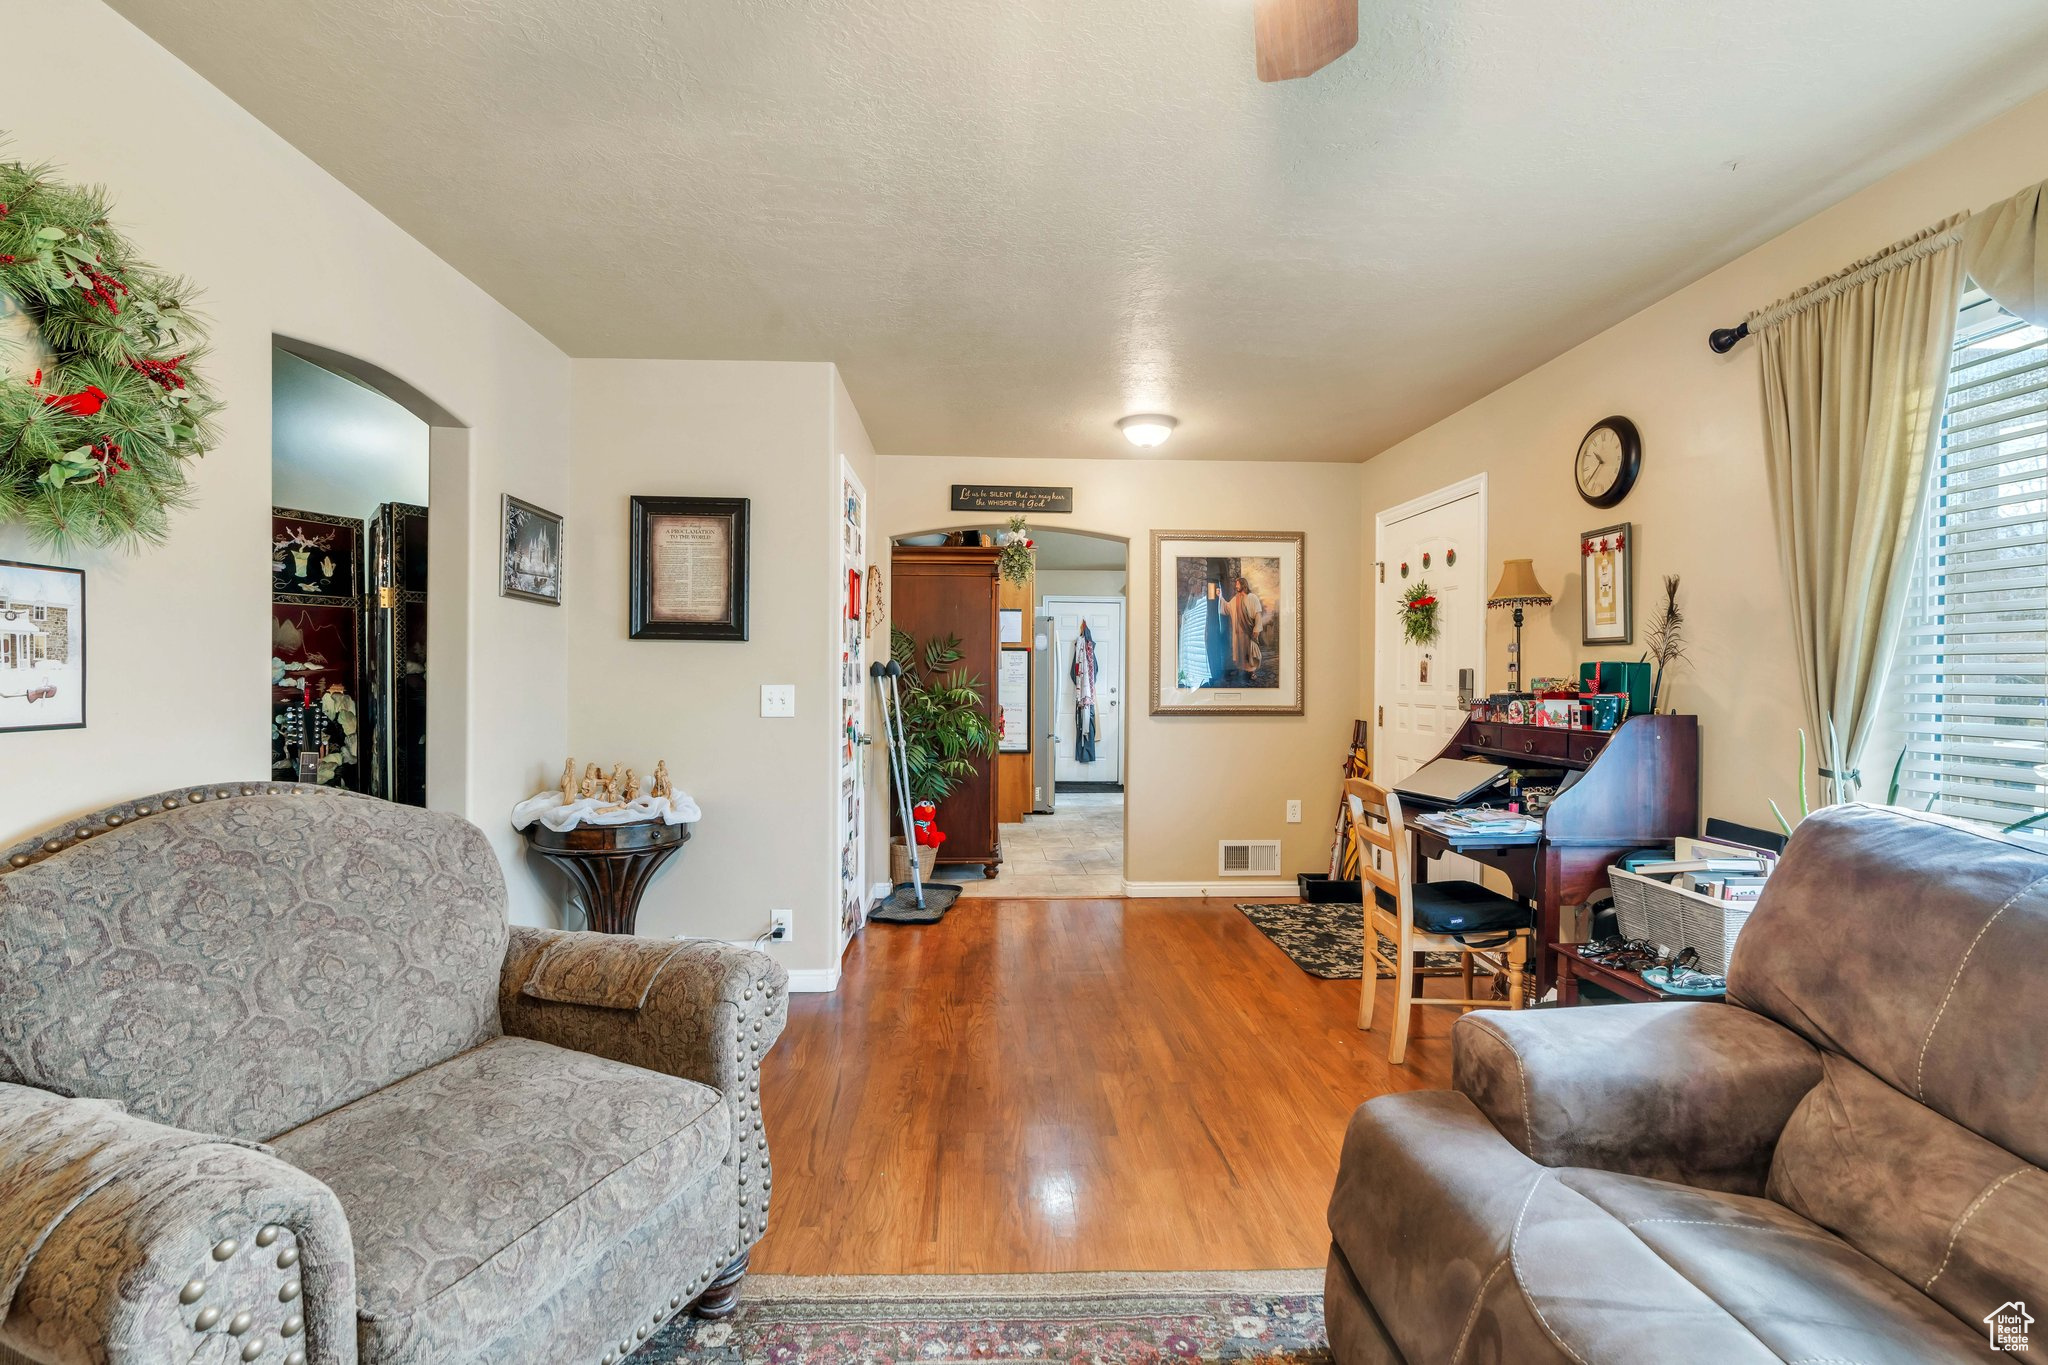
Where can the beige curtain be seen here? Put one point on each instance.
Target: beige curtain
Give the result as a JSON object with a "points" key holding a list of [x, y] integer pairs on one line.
{"points": [[1855, 369], [2005, 249]]}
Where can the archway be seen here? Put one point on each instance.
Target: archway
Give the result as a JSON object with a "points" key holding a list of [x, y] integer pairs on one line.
{"points": [[445, 455], [1061, 782]]}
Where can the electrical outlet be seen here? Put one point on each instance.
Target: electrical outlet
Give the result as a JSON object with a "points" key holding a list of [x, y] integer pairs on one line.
{"points": [[1294, 812], [782, 925], [778, 699]]}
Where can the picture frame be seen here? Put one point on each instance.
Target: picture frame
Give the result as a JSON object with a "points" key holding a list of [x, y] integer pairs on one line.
{"points": [[1228, 623], [1607, 585], [315, 557], [688, 572], [529, 552], [42, 647]]}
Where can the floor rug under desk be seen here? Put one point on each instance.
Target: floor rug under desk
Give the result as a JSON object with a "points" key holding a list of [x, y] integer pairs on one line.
{"points": [[1327, 940]]}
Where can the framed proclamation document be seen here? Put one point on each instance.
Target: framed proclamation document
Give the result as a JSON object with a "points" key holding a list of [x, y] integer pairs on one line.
{"points": [[689, 569]]}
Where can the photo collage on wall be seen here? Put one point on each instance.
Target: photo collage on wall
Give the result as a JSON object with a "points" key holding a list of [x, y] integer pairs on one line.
{"points": [[852, 703]]}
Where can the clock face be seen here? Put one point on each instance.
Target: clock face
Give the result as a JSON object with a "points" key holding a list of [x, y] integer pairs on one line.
{"points": [[1599, 462], [1608, 461]]}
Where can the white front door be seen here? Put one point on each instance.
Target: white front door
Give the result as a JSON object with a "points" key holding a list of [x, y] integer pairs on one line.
{"points": [[1438, 542], [1104, 617]]}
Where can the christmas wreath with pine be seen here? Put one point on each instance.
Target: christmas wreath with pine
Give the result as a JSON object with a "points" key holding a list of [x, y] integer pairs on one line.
{"points": [[1418, 615], [1014, 559], [100, 403]]}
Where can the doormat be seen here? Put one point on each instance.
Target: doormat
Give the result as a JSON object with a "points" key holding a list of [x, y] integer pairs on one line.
{"points": [[1273, 1317], [1329, 940]]}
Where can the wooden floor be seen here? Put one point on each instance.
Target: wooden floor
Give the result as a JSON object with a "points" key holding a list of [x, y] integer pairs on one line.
{"points": [[1069, 1085]]}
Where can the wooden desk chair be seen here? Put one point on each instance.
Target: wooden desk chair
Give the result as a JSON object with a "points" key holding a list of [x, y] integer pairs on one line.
{"points": [[1431, 917]]}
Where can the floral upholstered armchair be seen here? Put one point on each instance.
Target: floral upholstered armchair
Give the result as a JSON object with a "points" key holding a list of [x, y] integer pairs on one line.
{"points": [[278, 1082]]}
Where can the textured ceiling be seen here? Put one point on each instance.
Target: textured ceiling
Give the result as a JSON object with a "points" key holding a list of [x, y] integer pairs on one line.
{"points": [[1013, 221]]}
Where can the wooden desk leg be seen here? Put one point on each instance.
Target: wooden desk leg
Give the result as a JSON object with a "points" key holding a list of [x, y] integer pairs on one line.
{"points": [[1567, 982], [1549, 888]]}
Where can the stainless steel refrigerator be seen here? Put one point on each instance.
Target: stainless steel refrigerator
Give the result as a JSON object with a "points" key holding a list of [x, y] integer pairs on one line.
{"points": [[1045, 701]]}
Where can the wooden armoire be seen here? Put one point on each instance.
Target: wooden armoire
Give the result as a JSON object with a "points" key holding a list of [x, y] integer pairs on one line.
{"points": [[939, 590]]}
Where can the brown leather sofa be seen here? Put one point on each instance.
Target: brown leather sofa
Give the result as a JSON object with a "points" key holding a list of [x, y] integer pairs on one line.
{"points": [[1841, 1165]]}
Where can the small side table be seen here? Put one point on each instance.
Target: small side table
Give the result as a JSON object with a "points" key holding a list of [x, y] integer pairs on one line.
{"points": [[610, 864], [1573, 969]]}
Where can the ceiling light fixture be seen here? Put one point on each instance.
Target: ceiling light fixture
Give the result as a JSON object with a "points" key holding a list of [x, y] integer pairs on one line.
{"points": [[1146, 430]]}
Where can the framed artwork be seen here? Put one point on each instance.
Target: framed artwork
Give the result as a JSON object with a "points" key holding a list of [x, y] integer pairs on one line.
{"points": [[530, 564], [42, 647], [1607, 585], [689, 569], [1227, 623], [315, 557]]}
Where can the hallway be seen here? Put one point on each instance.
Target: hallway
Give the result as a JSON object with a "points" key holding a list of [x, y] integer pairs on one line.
{"points": [[1075, 852]]}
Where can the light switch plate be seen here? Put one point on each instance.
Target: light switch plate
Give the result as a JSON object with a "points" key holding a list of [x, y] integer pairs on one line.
{"points": [[778, 699]]}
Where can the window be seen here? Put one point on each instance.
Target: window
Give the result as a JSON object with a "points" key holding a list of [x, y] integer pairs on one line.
{"points": [[1976, 646]]}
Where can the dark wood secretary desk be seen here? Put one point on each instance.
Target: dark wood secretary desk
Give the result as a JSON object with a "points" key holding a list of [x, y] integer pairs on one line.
{"points": [[1638, 785]]}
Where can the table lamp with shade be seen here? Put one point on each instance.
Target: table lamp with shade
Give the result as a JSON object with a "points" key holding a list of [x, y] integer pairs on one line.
{"points": [[1517, 588]]}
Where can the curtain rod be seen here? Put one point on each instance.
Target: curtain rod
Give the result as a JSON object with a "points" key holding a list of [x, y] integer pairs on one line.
{"points": [[1722, 339]]}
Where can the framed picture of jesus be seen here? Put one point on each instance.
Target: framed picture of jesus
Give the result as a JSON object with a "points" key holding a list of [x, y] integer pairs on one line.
{"points": [[1227, 623]]}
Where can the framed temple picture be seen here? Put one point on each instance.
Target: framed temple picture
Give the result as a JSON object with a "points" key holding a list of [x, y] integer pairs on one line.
{"points": [[1227, 623], [689, 569], [530, 557], [1607, 585], [42, 647]]}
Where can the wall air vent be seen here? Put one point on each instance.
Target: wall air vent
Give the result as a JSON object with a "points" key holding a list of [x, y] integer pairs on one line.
{"points": [[1248, 858]]}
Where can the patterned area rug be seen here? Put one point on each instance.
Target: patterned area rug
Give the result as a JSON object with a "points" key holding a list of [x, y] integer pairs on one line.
{"points": [[1274, 1317], [1328, 940]]}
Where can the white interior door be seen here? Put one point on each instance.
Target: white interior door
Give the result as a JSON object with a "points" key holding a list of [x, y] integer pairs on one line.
{"points": [[1105, 619], [1440, 541]]}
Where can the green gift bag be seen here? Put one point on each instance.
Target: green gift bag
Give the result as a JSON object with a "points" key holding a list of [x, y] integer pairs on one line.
{"points": [[1632, 680]]}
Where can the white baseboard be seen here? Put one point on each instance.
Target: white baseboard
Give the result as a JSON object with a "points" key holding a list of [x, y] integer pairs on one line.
{"points": [[1234, 888], [880, 891], [802, 980], [814, 981]]}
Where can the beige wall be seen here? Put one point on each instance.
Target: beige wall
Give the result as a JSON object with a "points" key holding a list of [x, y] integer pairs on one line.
{"points": [[1193, 780], [771, 433], [179, 635], [1701, 509], [1078, 583], [339, 447]]}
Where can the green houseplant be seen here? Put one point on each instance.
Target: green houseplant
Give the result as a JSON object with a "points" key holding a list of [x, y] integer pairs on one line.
{"points": [[944, 725]]}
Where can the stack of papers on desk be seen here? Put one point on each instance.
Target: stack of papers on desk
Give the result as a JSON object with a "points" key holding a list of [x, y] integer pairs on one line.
{"points": [[1478, 820]]}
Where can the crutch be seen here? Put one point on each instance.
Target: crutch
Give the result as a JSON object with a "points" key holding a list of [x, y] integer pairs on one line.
{"points": [[899, 761]]}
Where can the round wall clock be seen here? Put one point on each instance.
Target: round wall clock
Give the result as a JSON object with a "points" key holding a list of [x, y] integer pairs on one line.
{"points": [[1609, 459]]}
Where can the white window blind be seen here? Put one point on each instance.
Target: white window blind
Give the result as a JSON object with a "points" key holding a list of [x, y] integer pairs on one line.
{"points": [[1976, 646]]}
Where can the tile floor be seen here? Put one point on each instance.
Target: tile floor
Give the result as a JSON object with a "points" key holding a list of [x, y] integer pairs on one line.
{"points": [[1078, 850]]}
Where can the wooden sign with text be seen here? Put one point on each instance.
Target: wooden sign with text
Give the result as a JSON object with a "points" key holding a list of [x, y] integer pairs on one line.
{"points": [[1010, 497]]}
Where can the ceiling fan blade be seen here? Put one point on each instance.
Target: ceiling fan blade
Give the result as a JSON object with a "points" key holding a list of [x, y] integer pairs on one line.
{"points": [[1300, 37]]}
